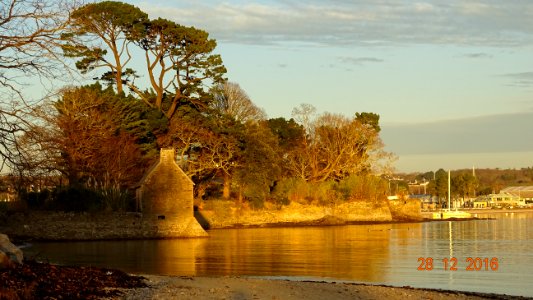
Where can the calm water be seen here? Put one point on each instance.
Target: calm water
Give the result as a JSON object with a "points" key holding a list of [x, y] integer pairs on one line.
{"points": [[386, 254]]}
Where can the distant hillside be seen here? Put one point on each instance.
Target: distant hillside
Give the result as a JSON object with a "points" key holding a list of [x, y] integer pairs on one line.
{"points": [[489, 180]]}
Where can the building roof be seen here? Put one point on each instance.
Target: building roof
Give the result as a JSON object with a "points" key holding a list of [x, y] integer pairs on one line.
{"points": [[521, 191]]}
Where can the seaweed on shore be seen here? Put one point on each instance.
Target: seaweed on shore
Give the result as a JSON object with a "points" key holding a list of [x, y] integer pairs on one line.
{"points": [[35, 280]]}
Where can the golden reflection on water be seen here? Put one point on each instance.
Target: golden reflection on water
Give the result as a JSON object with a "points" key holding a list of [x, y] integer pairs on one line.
{"points": [[385, 253], [171, 257], [321, 252]]}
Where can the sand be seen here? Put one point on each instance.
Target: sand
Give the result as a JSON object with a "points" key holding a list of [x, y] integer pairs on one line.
{"points": [[236, 288]]}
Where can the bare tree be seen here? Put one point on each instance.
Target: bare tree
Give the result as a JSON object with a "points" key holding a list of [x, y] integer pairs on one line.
{"points": [[232, 100], [30, 39]]}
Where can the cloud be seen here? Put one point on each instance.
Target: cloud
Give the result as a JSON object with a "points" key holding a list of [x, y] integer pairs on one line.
{"points": [[477, 55], [365, 22], [489, 134], [359, 60], [523, 79]]}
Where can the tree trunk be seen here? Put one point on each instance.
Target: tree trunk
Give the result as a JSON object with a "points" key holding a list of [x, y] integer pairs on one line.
{"points": [[240, 196], [227, 186]]}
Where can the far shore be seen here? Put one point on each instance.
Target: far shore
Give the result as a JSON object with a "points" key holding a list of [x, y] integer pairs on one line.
{"points": [[427, 214], [21, 231], [184, 287]]}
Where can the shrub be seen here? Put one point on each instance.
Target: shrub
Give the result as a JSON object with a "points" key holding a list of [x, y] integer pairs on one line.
{"points": [[322, 193], [36, 200], [290, 189], [116, 199], [78, 199], [298, 190], [362, 187]]}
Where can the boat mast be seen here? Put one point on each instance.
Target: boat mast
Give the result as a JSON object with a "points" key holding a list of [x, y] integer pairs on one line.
{"points": [[449, 189]]}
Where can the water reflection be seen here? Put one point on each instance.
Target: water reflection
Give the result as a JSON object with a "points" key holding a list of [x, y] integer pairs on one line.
{"points": [[385, 253], [343, 251], [166, 257]]}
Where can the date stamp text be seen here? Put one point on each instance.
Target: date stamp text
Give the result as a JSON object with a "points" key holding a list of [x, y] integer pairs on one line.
{"points": [[453, 264]]}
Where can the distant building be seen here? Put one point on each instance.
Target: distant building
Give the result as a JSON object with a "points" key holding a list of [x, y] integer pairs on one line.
{"points": [[418, 188], [524, 192], [499, 201], [427, 201]]}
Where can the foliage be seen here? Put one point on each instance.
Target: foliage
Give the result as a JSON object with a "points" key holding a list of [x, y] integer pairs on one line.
{"points": [[469, 183], [290, 189], [370, 119], [77, 199], [289, 133], [116, 199], [363, 187], [114, 24], [102, 139], [88, 135], [334, 147], [80, 199], [179, 64], [179, 60], [37, 200], [259, 164], [352, 188]]}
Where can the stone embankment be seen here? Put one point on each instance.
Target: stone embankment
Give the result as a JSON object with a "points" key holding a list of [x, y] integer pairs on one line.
{"points": [[45, 225], [224, 214]]}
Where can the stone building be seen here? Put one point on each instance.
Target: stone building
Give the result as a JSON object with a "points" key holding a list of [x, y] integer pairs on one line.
{"points": [[166, 195]]}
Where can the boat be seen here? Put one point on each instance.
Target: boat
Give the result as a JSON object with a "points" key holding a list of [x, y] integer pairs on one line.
{"points": [[451, 214], [448, 213]]}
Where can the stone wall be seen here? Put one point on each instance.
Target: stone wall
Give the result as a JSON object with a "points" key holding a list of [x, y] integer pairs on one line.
{"points": [[409, 209], [223, 214], [101, 226], [165, 196], [219, 214], [166, 189]]}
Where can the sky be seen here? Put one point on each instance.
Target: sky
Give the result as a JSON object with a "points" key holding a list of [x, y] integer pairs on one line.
{"points": [[451, 80]]}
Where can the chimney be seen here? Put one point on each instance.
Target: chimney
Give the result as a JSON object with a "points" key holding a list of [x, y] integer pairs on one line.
{"points": [[167, 156]]}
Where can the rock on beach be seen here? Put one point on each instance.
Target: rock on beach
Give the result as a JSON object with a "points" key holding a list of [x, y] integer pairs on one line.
{"points": [[9, 253]]}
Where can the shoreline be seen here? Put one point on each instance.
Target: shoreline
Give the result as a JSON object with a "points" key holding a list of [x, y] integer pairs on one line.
{"points": [[229, 287], [317, 223], [22, 235], [36, 280]]}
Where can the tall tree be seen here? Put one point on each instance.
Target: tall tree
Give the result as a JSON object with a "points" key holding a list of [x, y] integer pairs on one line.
{"points": [[180, 66], [233, 112], [101, 27], [259, 164], [441, 184]]}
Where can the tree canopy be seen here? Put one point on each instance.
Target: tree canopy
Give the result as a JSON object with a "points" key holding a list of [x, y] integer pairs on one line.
{"points": [[104, 135], [103, 26]]}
